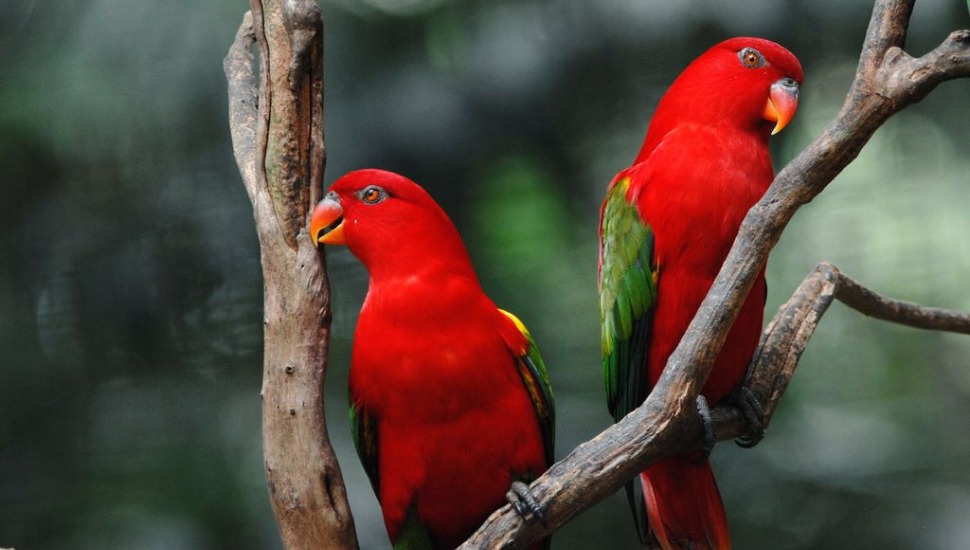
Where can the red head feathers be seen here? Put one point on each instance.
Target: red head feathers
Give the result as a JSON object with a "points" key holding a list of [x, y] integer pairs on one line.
{"points": [[750, 83]]}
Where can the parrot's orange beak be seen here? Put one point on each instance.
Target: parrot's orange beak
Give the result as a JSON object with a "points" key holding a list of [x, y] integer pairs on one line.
{"points": [[782, 103], [327, 222]]}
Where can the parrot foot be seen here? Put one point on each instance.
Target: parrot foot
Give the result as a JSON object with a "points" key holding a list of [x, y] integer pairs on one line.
{"points": [[710, 430], [754, 414], [525, 503]]}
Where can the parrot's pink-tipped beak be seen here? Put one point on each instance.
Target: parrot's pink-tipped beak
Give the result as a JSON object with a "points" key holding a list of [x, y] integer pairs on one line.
{"points": [[782, 103], [327, 222]]}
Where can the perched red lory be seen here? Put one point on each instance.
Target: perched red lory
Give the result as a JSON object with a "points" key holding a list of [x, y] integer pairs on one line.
{"points": [[666, 225], [450, 400]]}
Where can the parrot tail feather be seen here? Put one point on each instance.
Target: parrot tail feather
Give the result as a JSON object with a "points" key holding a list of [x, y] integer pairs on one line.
{"points": [[684, 508]]}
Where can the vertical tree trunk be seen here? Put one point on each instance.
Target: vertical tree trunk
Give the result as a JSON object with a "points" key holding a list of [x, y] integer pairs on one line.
{"points": [[276, 118]]}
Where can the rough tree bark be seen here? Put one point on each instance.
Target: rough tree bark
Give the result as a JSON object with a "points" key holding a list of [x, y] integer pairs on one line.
{"points": [[276, 118], [278, 141]]}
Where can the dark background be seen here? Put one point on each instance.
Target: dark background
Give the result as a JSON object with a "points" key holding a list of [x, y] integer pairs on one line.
{"points": [[130, 289]]}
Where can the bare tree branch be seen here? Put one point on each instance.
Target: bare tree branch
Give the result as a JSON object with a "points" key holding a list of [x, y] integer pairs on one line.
{"points": [[870, 303], [887, 80], [788, 334], [276, 120]]}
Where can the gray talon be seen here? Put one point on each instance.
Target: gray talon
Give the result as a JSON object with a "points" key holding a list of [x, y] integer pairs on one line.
{"points": [[754, 414], [524, 503], [710, 430]]}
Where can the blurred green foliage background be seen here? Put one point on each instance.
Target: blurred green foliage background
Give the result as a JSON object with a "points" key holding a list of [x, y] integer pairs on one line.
{"points": [[130, 289]]}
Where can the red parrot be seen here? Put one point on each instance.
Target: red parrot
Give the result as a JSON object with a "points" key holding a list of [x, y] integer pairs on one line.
{"points": [[666, 226], [450, 402]]}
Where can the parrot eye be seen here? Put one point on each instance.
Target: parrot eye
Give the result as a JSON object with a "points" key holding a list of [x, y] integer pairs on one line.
{"points": [[373, 194], [751, 58]]}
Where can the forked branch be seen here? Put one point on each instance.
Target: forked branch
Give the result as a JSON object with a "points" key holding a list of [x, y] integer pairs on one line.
{"points": [[788, 334]]}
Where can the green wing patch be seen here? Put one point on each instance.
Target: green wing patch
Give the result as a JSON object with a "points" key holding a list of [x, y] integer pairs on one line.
{"points": [[628, 293]]}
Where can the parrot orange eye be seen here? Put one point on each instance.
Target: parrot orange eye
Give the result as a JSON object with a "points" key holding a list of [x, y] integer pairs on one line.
{"points": [[373, 194], [751, 58]]}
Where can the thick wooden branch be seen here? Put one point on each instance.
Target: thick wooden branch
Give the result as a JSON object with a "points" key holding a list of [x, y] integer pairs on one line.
{"points": [[276, 120], [887, 80]]}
